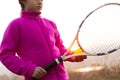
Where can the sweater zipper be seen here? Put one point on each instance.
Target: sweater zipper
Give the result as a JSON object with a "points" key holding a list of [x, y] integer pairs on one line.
{"points": [[46, 41], [43, 33]]}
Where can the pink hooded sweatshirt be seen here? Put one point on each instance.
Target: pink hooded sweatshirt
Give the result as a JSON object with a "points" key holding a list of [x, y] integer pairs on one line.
{"points": [[37, 42]]}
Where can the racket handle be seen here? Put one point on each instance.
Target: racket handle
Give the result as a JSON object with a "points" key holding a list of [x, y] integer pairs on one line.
{"points": [[52, 64]]}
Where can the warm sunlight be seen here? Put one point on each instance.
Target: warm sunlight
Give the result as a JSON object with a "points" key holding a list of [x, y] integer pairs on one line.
{"points": [[67, 14], [88, 69]]}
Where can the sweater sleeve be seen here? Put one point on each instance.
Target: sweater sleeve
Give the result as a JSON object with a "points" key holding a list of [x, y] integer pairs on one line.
{"points": [[8, 50], [59, 41]]}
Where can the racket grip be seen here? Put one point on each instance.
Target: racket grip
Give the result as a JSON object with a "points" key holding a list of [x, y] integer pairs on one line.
{"points": [[52, 64]]}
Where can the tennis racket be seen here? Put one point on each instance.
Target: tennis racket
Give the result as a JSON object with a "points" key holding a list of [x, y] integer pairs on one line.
{"points": [[97, 35]]}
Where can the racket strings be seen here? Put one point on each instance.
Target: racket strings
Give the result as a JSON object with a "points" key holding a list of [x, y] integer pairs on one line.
{"points": [[99, 33], [102, 49]]}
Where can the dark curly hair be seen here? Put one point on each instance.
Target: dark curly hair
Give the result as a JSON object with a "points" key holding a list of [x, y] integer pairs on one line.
{"points": [[21, 4]]}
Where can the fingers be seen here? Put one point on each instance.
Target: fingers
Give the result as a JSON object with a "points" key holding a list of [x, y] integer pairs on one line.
{"points": [[78, 58], [38, 73], [83, 57]]}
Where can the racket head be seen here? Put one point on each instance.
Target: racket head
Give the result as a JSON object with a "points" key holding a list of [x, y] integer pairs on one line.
{"points": [[99, 34]]}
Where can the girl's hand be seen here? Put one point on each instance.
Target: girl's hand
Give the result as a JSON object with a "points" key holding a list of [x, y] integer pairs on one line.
{"points": [[78, 58], [38, 73]]}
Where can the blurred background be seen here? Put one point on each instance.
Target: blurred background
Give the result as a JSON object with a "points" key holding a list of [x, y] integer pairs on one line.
{"points": [[67, 14]]}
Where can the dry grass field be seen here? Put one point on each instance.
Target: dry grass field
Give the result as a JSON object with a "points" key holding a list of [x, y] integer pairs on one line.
{"points": [[13, 77], [110, 69], [104, 74]]}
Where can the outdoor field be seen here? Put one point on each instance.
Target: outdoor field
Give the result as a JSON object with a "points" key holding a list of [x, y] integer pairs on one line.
{"points": [[93, 68], [96, 68], [105, 74]]}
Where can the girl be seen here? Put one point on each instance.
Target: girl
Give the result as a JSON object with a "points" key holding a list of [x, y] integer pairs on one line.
{"points": [[36, 41]]}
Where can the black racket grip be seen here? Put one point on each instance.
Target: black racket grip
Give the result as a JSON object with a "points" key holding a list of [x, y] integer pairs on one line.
{"points": [[52, 64]]}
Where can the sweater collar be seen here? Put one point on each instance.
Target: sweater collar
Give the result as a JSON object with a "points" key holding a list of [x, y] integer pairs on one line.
{"points": [[30, 14]]}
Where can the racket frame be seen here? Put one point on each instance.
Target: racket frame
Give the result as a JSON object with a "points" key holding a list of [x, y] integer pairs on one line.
{"points": [[64, 56]]}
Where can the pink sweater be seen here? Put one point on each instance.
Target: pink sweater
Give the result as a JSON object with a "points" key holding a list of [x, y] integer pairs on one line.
{"points": [[37, 42]]}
